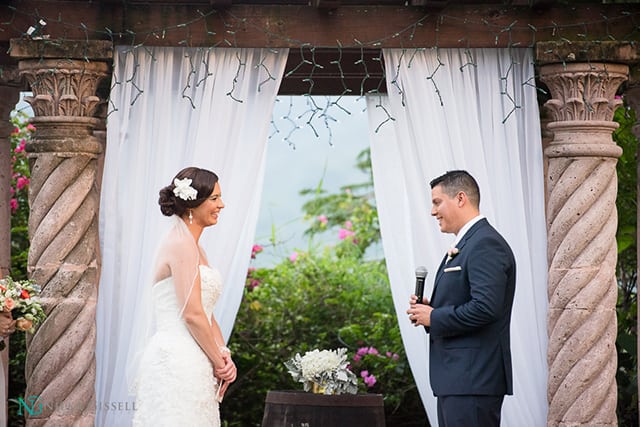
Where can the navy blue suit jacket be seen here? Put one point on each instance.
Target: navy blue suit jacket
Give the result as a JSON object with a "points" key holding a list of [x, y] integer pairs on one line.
{"points": [[469, 334]]}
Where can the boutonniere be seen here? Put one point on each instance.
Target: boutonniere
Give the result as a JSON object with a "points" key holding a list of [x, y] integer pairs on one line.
{"points": [[451, 253]]}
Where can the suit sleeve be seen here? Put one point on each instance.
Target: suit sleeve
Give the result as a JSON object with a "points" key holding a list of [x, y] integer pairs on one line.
{"points": [[488, 267]]}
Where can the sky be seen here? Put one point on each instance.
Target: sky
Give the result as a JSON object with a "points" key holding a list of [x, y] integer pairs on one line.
{"points": [[297, 158]]}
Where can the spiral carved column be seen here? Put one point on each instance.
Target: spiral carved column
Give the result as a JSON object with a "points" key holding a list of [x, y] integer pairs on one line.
{"points": [[63, 230], [581, 187]]}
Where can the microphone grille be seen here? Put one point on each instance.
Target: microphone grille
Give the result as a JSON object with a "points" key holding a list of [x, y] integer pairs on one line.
{"points": [[421, 272]]}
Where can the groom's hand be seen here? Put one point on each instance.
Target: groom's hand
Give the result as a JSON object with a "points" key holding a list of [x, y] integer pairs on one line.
{"points": [[414, 300], [419, 314]]}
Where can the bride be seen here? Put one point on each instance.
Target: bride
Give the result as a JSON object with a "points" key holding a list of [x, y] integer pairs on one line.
{"points": [[183, 367]]}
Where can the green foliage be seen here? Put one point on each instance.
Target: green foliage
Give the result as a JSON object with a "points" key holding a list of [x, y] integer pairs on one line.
{"points": [[627, 269], [324, 298]]}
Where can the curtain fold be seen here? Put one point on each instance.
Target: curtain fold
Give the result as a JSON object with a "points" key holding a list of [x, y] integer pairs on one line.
{"points": [[171, 108], [473, 109]]}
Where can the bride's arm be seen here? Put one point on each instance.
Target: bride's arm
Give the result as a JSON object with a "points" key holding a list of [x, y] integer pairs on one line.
{"points": [[183, 258], [196, 321], [229, 372]]}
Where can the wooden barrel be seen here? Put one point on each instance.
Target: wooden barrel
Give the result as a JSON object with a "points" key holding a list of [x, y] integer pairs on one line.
{"points": [[302, 409]]}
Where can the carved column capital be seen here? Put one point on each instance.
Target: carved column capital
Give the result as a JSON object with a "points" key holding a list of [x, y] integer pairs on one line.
{"points": [[63, 87], [583, 91]]}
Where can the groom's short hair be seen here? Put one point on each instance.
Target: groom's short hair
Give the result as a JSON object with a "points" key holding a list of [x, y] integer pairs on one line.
{"points": [[456, 181]]}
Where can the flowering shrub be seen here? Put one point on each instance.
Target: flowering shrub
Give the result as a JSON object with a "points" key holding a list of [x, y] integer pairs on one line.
{"points": [[20, 177], [19, 164], [377, 370], [251, 282], [379, 359], [323, 297]]}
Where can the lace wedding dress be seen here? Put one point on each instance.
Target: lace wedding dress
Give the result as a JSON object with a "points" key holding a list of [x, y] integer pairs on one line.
{"points": [[176, 385]]}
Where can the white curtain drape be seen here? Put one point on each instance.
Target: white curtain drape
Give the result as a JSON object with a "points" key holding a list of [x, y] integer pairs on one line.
{"points": [[171, 108], [472, 109]]}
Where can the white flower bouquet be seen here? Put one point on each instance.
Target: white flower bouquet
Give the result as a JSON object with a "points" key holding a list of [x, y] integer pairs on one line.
{"points": [[326, 369]]}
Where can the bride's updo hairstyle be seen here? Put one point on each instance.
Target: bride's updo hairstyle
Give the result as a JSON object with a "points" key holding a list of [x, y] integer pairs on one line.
{"points": [[202, 180]]}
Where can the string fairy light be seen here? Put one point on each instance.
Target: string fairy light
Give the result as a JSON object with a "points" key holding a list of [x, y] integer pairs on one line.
{"points": [[224, 27]]}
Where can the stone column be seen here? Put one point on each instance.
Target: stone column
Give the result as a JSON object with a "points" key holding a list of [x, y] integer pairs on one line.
{"points": [[63, 224], [582, 252]]}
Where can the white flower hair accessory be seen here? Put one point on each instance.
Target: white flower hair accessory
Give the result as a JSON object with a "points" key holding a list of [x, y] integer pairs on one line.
{"points": [[184, 190]]}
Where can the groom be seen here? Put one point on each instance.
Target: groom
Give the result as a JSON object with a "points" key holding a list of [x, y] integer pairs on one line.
{"points": [[469, 312]]}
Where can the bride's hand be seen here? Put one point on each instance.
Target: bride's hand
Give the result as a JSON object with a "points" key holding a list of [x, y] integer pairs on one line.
{"points": [[222, 389], [228, 372]]}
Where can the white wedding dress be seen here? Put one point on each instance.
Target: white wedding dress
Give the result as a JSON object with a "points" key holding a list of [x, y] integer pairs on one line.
{"points": [[176, 385]]}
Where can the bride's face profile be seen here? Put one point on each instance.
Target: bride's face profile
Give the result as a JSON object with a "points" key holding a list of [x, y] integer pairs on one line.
{"points": [[207, 213]]}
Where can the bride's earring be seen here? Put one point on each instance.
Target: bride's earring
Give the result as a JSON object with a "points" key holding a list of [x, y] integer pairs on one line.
{"points": [[190, 217]]}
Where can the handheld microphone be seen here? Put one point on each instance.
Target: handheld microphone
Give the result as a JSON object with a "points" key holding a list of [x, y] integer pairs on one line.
{"points": [[421, 275]]}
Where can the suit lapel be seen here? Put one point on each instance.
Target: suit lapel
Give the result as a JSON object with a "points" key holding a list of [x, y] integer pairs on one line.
{"points": [[460, 245]]}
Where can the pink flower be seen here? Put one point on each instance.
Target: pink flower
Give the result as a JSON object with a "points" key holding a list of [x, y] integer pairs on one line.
{"points": [[254, 283], [322, 219], [31, 127], [373, 350], [362, 351], [348, 225], [256, 249], [21, 146], [344, 233], [14, 205], [370, 381], [15, 131], [293, 257], [357, 357], [22, 182], [9, 303]]}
